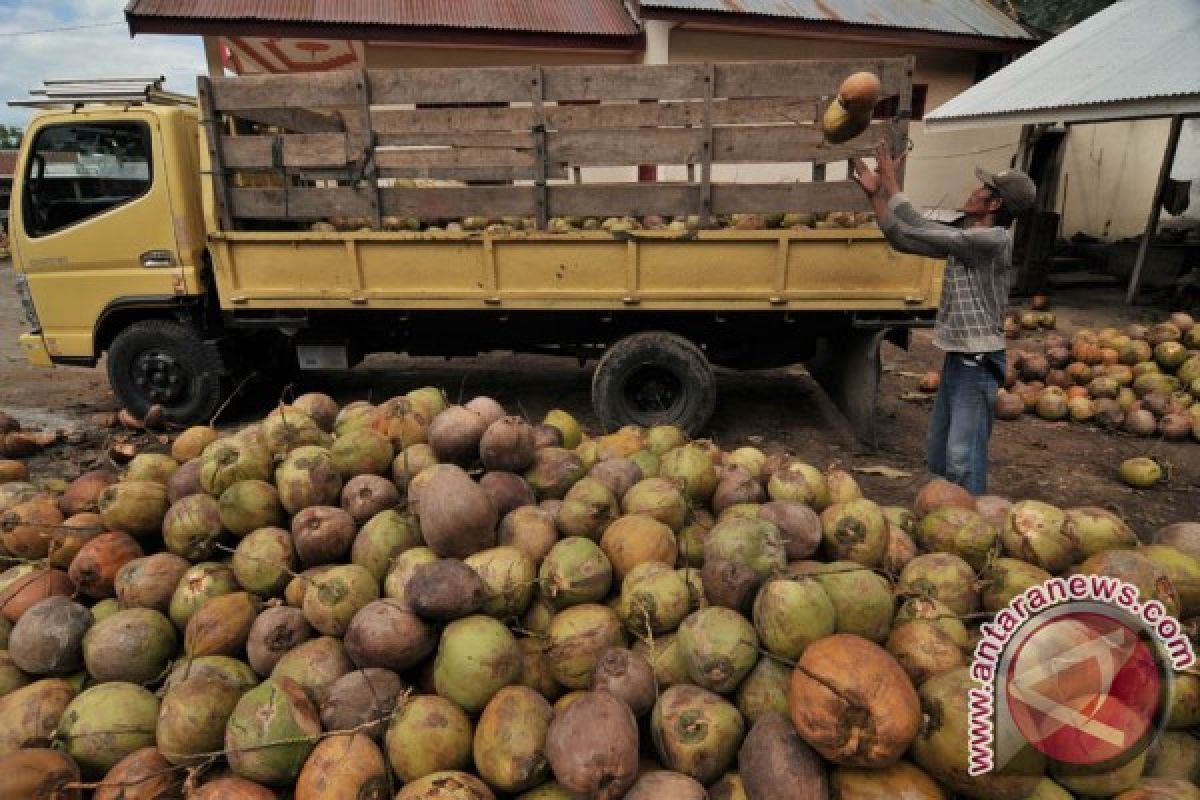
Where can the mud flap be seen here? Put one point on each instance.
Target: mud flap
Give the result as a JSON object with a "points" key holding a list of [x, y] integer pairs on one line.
{"points": [[848, 368]]}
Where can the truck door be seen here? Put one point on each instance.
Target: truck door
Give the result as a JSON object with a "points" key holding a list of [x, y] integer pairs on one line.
{"points": [[92, 223]]}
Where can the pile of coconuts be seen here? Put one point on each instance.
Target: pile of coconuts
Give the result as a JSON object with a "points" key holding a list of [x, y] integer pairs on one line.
{"points": [[1142, 380], [446, 602]]}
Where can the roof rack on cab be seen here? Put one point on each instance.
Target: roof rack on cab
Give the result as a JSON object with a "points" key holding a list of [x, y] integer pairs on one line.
{"points": [[78, 92]]}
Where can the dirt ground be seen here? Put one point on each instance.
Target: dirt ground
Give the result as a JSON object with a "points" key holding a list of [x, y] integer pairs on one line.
{"points": [[1061, 463]]}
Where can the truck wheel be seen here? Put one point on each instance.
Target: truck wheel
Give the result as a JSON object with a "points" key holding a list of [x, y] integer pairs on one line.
{"points": [[654, 378], [157, 362]]}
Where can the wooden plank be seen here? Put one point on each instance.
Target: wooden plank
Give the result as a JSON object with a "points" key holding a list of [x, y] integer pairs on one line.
{"points": [[310, 90], [679, 113], [624, 82], [299, 151], [733, 198], [617, 148], [454, 157], [519, 140], [294, 120], [295, 203], [472, 173], [731, 145], [439, 203], [440, 120], [803, 78], [621, 199], [682, 113], [216, 157], [449, 85]]}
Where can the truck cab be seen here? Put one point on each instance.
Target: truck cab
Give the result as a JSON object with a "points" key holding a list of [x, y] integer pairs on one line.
{"points": [[106, 231]]}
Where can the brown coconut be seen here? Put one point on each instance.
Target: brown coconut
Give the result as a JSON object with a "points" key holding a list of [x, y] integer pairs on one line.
{"points": [[445, 590], [853, 702], [798, 524], [508, 445], [364, 496], [221, 626], [629, 676], [774, 763], [387, 634], [939, 493], [66, 543], [360, 698], [83, 492], [94, 568], [185, 481], [507, 490], [149, 581], [142, 775], [457, 516], [455, 434], [39, 774], [592, 746], [635, 539], [26, 584], [530, 529], [26, 529], [275, 631], [323, 534]]}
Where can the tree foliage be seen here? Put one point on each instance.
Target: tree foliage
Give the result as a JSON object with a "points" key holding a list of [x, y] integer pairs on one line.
{"points": [[1052, 15], [10, 137]]}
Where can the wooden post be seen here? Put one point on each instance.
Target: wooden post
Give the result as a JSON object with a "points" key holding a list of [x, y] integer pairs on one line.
{"points": [[212, 126], [903, 117], [706, 155], [1164, 172], [538, 92], [370, 165]]}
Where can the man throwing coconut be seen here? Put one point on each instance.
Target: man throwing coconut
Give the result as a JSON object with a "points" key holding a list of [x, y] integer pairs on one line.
{"points": [[970, 320]]}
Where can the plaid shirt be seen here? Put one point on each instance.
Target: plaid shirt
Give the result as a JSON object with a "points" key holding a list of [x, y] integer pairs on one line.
{"points": [[970, 318]]}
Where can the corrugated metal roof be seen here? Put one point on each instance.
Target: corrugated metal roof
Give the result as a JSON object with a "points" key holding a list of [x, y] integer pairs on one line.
{"points": [[964, 17], [591, 17], [1135, 59]]}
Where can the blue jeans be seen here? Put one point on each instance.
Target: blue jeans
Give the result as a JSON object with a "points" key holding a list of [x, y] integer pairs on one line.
{"points": [[962, 420]]}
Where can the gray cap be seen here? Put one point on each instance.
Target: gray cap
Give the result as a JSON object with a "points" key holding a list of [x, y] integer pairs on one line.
{"points": [[1015, 188]]}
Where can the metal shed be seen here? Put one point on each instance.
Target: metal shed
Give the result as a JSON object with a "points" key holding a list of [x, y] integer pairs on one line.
{"points": [[1137, 59]]}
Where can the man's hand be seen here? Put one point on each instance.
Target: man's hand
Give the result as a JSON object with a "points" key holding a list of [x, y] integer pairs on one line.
{"points": [[867, 178], [888, 167]]}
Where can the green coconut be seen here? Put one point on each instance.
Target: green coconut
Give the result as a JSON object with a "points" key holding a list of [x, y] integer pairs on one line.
{"points": [[696, 732], [199, 584], [1175, 755], [1098, 529], [575, 571], [790, 614], [939, 748], [428, 734], [403, 566], [572, 433], [719, 648], [508, 580], [764, 690], [1137, 568], [944, 577], [862, 599], [691, 467], [1183, 570], [658, 498], [192, 719], [587, 509], [654, 599], [30, 714], [510, 740], [134, 645], [926, 609], [308, 477], [107, 722], [855, 531], [222, 669], [192, 527], [647, 462], [315, 665], [271, 732], [1141, 473], [1086, 780], [135, 507], [362, 452], [1038, 533], [754, 543], [476, 658], [577, 637], [151, 467], [661, 439], [666, 659], [249, 505], [287, 428], [960, 531], [227, 461], [264, 561], [383, 537], [336, 596], [554, 471], [1005, 578], [800, 483]]}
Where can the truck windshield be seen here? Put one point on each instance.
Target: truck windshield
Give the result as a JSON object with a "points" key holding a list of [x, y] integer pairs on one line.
{"points": [[78, 170]]}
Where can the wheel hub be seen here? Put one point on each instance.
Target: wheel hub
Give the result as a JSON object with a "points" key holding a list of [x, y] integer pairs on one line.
{"points": [[653, 392], [160, 376]]}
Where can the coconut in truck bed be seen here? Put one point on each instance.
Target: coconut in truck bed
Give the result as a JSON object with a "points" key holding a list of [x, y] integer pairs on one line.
{"points": [[457, 211]]}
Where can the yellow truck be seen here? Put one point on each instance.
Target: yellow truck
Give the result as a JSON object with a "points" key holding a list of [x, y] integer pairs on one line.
{"points": [[303, 221]]}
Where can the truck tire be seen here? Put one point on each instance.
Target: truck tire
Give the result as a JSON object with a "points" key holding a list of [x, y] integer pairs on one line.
{"points": [[159, 362], [654, 378]]}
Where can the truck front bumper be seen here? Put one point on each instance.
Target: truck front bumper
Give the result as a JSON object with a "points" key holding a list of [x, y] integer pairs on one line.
{"points": [[34, 348]]}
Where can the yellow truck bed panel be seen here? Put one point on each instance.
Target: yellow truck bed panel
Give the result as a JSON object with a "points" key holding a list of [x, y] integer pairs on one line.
{"points": [[851, 269]]}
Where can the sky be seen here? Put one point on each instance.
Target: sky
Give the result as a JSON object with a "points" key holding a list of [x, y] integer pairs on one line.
{"points": [[103, 49]]}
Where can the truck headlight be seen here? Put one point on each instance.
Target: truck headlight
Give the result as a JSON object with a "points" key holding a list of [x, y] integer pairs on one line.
{"points": [[27, 302]]}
